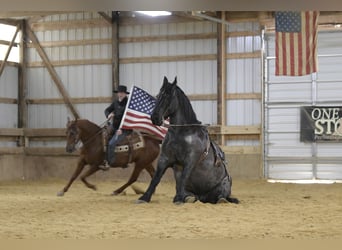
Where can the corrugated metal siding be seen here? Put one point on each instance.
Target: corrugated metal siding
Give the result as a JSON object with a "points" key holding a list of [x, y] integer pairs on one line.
{"points": [[243, 76], [194, 77], [285, 156], [79, 81], [9, 89]]}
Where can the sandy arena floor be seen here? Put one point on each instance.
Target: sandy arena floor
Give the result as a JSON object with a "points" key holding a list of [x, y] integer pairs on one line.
{"points": [[31, 210]]}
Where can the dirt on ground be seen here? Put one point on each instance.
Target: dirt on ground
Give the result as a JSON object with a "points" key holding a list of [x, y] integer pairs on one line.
{"points": [[32, 210]]}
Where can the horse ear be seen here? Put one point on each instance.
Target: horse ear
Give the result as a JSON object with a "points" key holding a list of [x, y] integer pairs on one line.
{"points": [[165, 81], [175, 81]]}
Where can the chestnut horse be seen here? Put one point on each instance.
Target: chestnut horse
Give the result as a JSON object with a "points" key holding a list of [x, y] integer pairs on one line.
{"points": [[92, 153]]}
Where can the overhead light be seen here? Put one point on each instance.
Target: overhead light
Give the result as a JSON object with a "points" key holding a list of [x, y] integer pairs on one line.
{"points": [[155, 13]]}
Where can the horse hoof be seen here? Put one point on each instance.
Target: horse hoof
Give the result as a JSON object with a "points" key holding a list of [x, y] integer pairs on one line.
{"points": [[140, 202], [60, 193], [190, 199], [118, 193], [222, 200]]}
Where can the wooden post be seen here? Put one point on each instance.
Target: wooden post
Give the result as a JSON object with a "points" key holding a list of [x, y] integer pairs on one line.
{"points": [[221, 75], [115, 50], [22, 89], [52, 72]]}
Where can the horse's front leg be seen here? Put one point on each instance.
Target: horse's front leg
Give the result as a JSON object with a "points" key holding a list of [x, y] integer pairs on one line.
{"points": [[182, 175], [163, 164], [93, 169], [179, 197], [80, 165]]}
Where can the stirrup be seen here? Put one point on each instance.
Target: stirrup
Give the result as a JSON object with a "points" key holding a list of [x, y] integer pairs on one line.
{"points": [[104, 166]]}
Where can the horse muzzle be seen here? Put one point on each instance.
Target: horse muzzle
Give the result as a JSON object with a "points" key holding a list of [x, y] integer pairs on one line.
{"points": [[156, 120], [70, 148]]}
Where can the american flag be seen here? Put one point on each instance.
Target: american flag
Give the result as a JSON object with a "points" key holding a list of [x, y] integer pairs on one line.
{"points": [[139, 108], [296, 42]]}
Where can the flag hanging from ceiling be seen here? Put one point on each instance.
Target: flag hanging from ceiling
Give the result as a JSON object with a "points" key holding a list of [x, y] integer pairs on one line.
{"points": [[138, 111], [296, 42]]}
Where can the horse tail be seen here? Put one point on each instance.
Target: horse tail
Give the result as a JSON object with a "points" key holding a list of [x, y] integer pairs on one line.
{"points": [[233, 200]]}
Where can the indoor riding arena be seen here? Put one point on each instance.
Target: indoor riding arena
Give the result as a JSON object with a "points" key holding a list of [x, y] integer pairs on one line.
{"points": [[272, 104]]}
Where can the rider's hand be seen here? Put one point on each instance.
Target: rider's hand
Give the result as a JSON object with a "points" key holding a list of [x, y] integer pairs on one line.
{"points": [[119, 132], [110, 116]]}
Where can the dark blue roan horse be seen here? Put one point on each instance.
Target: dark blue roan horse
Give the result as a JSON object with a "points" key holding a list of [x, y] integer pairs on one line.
{"points": [[198, 163]]}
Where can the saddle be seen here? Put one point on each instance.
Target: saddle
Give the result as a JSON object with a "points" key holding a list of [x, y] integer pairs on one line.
{"points": [[132, 141]]}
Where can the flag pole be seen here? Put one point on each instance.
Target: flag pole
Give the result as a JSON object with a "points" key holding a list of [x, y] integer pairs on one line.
{"points": [[128, 101]]}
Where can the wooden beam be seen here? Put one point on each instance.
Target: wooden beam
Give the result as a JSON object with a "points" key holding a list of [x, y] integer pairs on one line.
{"points": [[13, 64], [81, 100], [159, 38], [106, 17], [115, 50], [9, 50], [22, 87], [44, 132], [11, 150], [7, 43], [241, 150], [105, 99], [235, 130], [11, 132], [69, 62], [52, 72], [151, 59], [140, 39], [66, 43], [45, 151], [221, 73], [246, 55], [69, 24], [8, 100], [243, 96]]}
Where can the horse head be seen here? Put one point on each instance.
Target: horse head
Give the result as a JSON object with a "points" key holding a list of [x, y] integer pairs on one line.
{"points": [[72, 135], [165, 104]]}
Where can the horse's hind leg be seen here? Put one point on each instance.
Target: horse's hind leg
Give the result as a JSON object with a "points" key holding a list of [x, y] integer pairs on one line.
{"points": [[150, 169], [93, 169], [133, 178], [80, 165]]}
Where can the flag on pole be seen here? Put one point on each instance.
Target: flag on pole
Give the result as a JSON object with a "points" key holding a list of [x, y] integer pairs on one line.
{"points": [[139, 108], [296, 42]]}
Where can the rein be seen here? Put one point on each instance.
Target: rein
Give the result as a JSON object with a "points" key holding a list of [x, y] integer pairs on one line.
{"points": [[185, 125]]}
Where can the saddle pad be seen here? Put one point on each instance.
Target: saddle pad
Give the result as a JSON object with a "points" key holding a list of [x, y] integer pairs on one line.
{"points": [[125, 148]]}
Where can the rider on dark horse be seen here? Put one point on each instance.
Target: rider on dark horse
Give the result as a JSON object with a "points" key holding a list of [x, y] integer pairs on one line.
{"points": [[115, 112]]}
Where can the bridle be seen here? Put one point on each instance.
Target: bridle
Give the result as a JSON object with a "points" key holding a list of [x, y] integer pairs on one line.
{"points": [[90, 138]]}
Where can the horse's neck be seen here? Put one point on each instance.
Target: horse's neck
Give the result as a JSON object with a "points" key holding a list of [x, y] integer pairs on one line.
{"points": [[180, 119], [184, 113], [88, 132]]}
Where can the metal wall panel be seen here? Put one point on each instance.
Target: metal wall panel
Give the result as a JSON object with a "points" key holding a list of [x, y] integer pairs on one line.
{"points": [[285, 156], [93, 80], [243, 76], [194, 77], [9, 89]]}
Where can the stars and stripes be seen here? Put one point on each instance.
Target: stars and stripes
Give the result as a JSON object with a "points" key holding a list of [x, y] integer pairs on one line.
{"points": [[296, 42], [138, 111]]}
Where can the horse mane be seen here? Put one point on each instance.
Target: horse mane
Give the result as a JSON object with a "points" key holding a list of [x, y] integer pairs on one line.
{"points": [[87, 125], [186, 106]]}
